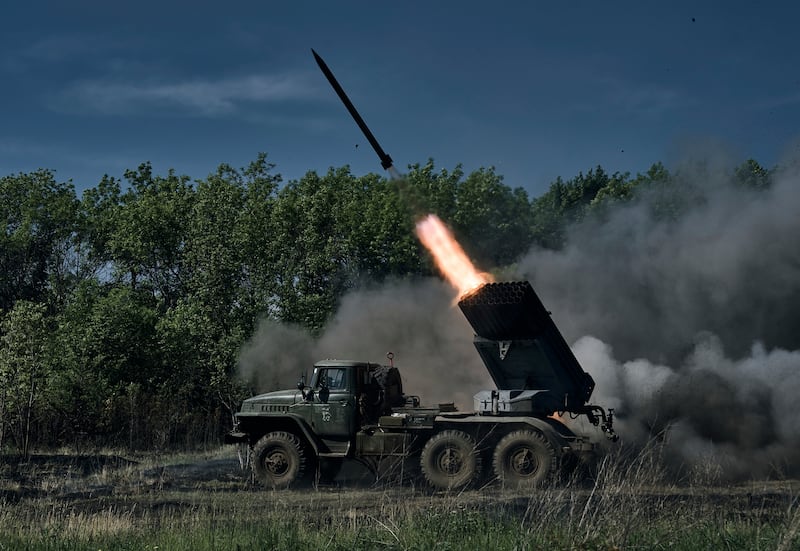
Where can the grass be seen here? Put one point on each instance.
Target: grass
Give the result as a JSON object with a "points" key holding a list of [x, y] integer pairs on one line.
{"points": [[204, 502]]}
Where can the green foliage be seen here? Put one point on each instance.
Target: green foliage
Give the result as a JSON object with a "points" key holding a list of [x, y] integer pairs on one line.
{"points": [[148, 234], [751, 175], [331, 233], [428, 191], [40, 220], [492, 220], [24, 352], [566, 203], [106, 339]]}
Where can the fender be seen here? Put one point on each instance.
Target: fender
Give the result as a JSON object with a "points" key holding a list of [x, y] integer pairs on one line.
{"points": [[253, 425], [556, 437]]}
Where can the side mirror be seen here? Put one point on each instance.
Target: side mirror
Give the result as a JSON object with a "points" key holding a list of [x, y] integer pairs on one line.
{"points": [[301, 386]]}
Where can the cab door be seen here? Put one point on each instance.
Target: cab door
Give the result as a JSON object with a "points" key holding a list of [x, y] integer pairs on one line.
{"points": [[333, 415]]}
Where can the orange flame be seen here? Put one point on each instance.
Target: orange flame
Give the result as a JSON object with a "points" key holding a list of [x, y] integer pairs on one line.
{"points": [[450, 258]]}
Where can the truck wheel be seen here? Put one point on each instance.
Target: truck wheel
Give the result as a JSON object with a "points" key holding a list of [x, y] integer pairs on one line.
{"points": [[279, 459], [524, 459], [449, 459]]}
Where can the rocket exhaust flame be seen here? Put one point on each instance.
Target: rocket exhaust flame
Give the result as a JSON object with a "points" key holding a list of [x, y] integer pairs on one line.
{"points": [[449, 257]]}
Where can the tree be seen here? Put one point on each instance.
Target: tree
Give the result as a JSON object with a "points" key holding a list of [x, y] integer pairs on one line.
{"points": [[258, 228], [491, 219], [377, 226], [566, 203], [40, 218], [24, 351], [427, 191], [107, 341], [333, 233], [751, 175], [143, 236]]}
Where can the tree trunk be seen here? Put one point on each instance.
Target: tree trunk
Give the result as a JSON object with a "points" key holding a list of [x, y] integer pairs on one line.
{"points": [[29, 413], [2, 414]]}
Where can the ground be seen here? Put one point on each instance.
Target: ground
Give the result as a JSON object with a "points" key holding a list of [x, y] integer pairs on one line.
{"points": [[114, 500]]}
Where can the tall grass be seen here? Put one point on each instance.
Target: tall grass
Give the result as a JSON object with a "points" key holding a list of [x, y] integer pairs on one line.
{"points": [[627, 502]]}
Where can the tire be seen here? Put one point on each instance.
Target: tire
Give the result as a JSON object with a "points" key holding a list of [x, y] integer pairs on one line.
{"points": [[524, 459], [450, 460], [279, 460]]}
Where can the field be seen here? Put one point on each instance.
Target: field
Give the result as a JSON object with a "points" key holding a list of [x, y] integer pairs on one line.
{"points": [[205, 501]]}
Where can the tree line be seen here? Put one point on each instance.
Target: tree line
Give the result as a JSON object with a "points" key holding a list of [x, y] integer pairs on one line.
{"points": [[122, 311]]}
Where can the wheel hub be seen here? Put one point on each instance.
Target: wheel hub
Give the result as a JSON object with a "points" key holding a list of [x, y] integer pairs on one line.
{"points": [[276, 462], [450, 461], [523, 462]]}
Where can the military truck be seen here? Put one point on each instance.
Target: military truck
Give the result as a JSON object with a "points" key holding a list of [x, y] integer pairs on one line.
{"points": [[358, 410]]}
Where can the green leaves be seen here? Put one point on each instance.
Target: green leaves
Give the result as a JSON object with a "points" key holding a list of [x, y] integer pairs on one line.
{"points": [[333, 233], [39, 218], [25, 348]]}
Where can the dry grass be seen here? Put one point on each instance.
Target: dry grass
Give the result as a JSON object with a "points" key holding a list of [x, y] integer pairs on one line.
{"points": [[206, 502]]}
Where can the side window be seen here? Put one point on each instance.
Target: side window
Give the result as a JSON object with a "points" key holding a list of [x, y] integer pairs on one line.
{"points": [[333, 378]]}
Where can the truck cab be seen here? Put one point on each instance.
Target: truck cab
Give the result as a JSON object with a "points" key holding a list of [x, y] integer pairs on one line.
{"points": [[342, 398], [330, 403]]}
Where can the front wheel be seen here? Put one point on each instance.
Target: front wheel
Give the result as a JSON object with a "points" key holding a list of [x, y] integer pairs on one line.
{"points": [[450, 460], [524, 459], [279, 460]]}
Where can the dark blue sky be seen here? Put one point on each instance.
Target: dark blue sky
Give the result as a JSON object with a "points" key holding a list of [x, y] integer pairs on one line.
{"points": [[535, 89]]}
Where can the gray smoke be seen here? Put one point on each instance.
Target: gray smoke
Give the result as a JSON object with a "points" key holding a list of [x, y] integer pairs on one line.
{"points": [[728, 418], [421, 324], [276, 356], [693, 318], [729, 265], [417, 321]]}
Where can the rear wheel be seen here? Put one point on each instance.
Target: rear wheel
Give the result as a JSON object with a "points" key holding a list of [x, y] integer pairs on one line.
{"points": [[524, 459], [450, 460], [279, 460]]}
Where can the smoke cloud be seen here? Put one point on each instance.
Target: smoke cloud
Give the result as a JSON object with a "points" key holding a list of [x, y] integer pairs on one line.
{"points": [[693, 319], [276, 356]]}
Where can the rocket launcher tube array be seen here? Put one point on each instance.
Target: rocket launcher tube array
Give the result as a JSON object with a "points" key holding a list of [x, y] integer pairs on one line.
{"points": [[510, 315]]}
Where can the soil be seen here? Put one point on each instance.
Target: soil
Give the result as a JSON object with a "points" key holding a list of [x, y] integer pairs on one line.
{"points": [[92, 482]]}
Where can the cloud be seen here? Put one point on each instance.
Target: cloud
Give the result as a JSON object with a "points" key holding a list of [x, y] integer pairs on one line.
{"points": [[641, 98], [53, 49], [204, 97]]}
